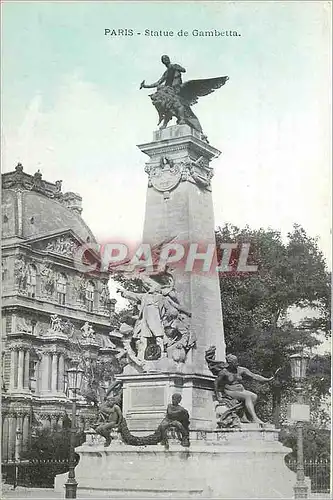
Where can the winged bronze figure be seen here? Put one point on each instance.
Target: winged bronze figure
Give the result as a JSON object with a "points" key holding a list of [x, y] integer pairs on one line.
{"points": [[173, 98]]}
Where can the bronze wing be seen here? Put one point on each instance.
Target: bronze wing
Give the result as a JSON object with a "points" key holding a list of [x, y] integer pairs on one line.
{"points": [[191, 90]]}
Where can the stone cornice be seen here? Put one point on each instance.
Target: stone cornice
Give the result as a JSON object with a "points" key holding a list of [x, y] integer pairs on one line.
{"points": [[43, 307], [187, 141], [16, 345], [25, 247]]}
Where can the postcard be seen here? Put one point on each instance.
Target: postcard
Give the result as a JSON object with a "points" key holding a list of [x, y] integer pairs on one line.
{"points": [[166, 249]]}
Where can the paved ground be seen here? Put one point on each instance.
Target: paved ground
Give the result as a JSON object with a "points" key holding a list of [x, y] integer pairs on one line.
{"points": [[35, 493], [29, 493], [44, 493]]}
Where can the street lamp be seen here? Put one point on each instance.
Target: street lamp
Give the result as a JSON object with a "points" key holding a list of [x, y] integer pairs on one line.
{"points": [[74, 375], [300, 413]]}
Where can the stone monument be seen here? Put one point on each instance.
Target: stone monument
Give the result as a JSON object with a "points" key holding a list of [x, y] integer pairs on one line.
{"points": [[179, 204], [179, 318], [179, 208]]}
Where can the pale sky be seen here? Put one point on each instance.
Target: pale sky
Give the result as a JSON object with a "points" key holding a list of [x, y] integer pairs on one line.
{"points": [[72, 105]]}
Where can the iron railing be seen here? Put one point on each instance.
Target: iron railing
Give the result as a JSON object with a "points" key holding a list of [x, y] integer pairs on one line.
{"points": [[318, 470], [33, 472]]}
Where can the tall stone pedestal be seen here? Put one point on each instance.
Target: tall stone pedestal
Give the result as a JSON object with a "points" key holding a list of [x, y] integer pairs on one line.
{"points": [[220, 464], [179, 205]]}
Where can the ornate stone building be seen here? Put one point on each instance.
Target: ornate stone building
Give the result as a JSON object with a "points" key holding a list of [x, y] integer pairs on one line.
{"points": [[52, 314]]}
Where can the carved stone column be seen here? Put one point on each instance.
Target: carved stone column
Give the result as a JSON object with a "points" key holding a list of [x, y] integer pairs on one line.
{"points": [[14, 323], [4, 438], [54, 377], [25, 432], [61, 373], [13, 369], [18, 435], [44, 367], [26, 369], [11, 436], [20, 370]]}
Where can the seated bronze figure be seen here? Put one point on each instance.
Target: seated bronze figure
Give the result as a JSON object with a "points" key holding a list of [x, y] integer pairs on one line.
{"points": [[177, 419], [230, 392]]}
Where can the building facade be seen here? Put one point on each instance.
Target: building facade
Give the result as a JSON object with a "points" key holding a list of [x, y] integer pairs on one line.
{"points": [[53, 314]]}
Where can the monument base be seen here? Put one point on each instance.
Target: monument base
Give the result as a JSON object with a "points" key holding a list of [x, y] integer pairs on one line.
{"points": [[146, 396], [248, 463]]}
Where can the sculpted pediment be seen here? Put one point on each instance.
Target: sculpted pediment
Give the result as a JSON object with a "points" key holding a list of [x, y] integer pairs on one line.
{"points": [[64, 244]]}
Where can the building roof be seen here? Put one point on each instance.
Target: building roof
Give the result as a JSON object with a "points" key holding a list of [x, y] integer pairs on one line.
{"points": [[32, 207]]}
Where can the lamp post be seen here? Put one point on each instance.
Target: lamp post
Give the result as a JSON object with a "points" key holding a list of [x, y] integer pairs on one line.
{"points": [[74, 383], [300, 413]]}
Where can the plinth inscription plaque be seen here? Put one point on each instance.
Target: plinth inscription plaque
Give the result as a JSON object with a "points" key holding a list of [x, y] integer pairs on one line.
{"points": [[147, 397]]}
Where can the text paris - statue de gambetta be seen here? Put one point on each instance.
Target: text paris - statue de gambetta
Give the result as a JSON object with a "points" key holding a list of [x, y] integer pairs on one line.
{"points": [[173, 98], [170, 33]]}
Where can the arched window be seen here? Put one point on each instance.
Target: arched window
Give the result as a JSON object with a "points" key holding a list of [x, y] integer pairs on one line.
{"points": [[90, 294], [31, 281], [61, 289]]}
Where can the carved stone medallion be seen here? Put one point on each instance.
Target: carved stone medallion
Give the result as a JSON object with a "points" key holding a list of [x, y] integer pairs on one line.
{"points": [[165, 176]]}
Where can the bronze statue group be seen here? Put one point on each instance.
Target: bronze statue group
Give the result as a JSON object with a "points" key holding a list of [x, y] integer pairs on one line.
{"points": [[176, 420], [236, 403], [173, 98]]}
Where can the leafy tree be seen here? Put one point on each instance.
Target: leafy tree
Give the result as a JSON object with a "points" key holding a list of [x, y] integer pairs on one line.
{"points": [[255, 306], [96, 372]]}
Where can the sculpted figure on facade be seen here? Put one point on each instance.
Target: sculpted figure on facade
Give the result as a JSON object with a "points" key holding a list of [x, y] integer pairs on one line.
{"points": [[57, 193], [104, 297], [24, 325], [21, 273], [80, 285], [68, 328], [56, 323], [17, 179], [88, 332], [48, 279], [37, 182]]}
